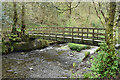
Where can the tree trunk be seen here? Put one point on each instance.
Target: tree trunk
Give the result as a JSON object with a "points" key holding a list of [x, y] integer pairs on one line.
{"points": [[70, 8], [23, 19], [109, 28], [14, 18], [118, 22]]}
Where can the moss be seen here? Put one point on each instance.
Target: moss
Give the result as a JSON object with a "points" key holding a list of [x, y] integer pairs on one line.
{"points": [[78, 47], [7, 47], [87, 53], [14, 38]]}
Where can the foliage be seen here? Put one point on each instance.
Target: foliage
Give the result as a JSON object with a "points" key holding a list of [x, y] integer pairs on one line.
{"points": [[7, 47], [78, 47], [14, 37], [87, 75], [104, 65], [71, 22], [4, 48], [46, 14], [96, 24]]}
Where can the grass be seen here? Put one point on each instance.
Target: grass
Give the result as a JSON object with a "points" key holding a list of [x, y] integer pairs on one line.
{"points": [[78, 47]]}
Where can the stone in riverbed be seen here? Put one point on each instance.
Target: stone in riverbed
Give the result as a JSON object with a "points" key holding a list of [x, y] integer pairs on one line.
{"points": [[117, 46], [10, 70], [86, 54]]}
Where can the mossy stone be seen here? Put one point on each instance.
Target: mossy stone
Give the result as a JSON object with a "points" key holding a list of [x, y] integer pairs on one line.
{"points": [[87, 53]]}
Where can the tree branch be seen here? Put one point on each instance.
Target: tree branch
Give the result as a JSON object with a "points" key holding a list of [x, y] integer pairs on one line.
{"points": [[98, 14], [102, 12]]}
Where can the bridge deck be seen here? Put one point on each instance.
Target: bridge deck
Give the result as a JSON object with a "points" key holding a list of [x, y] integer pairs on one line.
{"points": [[64, 37]]}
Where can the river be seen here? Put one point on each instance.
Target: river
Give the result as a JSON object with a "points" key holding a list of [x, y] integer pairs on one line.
{"points": [[55, 61]]}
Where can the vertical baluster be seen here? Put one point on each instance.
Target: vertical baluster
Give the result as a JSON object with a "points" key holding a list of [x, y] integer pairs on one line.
{"points": [[98, 33], [78, 32], [87, 32], [82, 36], [49, 33], [63, 33], [56, 33], [43, 32], [93, 36], [72, 34]]}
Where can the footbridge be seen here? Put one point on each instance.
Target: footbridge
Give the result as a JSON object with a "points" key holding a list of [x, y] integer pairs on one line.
{"points": [[85, 35]]}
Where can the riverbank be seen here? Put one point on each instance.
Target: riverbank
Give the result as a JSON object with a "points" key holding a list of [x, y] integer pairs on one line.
{"points": [[9, 46]]}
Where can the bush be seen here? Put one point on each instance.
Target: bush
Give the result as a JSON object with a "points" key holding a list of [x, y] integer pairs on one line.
{"points": [[104, 65], [78, 47]]}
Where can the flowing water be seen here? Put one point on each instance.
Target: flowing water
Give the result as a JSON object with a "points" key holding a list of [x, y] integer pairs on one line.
{"points": [[51, 62]]}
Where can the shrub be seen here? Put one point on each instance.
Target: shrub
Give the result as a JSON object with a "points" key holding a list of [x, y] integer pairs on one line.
{"points": [[87, 75], [78, 47], [104, 65]]}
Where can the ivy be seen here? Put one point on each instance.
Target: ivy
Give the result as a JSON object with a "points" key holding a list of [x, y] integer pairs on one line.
{"points": [[104, 65]]}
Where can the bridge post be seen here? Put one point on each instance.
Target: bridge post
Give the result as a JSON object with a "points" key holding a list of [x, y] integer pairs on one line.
{"points": [[87, 32], [49, 33], [43, 32], [63, 33], [56, 33], [97, 34], [78, 31], [93, 36], [72, 35], [82, 36]]}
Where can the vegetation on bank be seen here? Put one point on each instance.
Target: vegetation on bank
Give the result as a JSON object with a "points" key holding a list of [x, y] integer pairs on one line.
{"points": [[104, 65], [78, 47]]}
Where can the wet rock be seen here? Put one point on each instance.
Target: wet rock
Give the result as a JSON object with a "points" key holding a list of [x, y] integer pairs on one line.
{"points": [[10, 70], [71, 55], [15, 72], [22, 53], [117, 46], [30, 68], [86, 54]]}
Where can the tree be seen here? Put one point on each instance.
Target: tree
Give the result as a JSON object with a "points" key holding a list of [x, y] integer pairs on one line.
{"points": [[69, 8], [15, 18], [23, 18], [108, 22], [109, 27]]}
